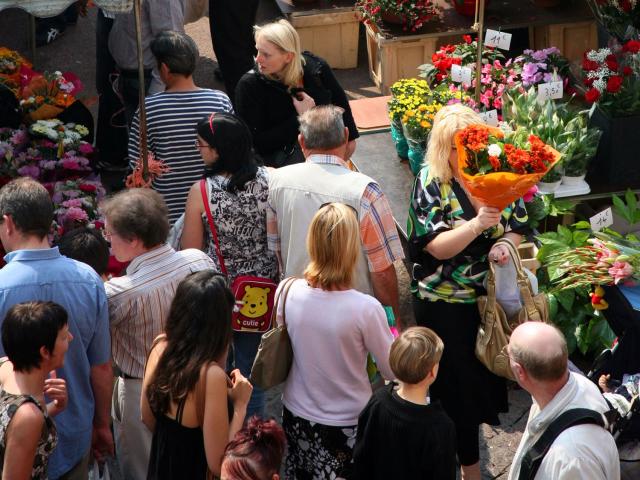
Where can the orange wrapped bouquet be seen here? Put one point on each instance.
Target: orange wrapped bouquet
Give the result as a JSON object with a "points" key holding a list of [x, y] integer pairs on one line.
{"points": [[498, 169]]}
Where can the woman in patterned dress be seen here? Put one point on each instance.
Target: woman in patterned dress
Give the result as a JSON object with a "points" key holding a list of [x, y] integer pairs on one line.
{"points": [[451, 239], [237, 190], [35, 337]]}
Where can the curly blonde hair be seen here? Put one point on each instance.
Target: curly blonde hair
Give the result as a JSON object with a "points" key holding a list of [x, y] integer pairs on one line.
{"points": [[446, 123], [286, 39]]}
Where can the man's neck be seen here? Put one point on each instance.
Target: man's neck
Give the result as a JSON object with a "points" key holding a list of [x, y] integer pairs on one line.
{"points": [[30, 243], [545, 393], [180, 83]]}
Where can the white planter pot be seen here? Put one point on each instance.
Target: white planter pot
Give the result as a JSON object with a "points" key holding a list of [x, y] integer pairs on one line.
{"points": [[573, 180], [548, 187]]}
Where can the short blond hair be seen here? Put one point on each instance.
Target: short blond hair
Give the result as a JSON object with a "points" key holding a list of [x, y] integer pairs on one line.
{"points": [[286, 39], [447, 122], [414, 353], [333, 243]]}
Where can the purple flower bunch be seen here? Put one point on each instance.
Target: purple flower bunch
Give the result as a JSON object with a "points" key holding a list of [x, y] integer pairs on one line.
{"points": [[540, 66]]}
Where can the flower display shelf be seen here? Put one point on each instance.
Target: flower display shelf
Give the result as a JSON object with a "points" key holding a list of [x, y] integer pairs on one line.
{"points": [[328, 29], [394, 54], [563, 190]]}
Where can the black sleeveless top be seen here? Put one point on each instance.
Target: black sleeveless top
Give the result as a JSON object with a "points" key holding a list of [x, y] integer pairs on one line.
{"points": [[177, 451]]}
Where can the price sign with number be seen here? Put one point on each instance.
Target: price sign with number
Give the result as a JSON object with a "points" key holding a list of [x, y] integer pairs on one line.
{"points": [[490, 117], [601, 220], [461, 74], [551, 90], [501, 40]]}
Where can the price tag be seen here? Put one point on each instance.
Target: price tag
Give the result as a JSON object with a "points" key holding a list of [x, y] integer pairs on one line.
{"points": [[601, 220], [551, 90], [461, 74], [501, 40], [490, 118]]}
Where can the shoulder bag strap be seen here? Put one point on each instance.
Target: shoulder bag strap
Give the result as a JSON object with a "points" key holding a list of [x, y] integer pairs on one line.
{"points": [[523, 281], [212, 226], [533, 457], [282, 294]]}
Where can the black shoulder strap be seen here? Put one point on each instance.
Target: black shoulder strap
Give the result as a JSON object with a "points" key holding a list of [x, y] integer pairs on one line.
{"points": [[532, 459]]}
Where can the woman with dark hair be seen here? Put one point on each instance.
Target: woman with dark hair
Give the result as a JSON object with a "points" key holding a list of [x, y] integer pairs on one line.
{"points": [[35, 337], [236, 190], [255, 453], [185, 391]]}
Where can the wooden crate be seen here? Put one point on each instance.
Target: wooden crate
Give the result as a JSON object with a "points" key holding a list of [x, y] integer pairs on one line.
{"points": [[399, 57], [330, 35], [571, 38]]}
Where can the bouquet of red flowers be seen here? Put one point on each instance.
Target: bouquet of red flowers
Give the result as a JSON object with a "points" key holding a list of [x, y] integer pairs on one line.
{"points": [[46, 95], [412, 14], [612, 78], [498, 169]]}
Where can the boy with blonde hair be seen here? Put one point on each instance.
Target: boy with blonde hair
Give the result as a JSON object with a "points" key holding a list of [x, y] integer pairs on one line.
{"points": [[401, 434]]}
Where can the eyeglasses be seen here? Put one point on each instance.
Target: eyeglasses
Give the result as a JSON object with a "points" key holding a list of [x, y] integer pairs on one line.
{"points": [[211, 122], [199, 145]]}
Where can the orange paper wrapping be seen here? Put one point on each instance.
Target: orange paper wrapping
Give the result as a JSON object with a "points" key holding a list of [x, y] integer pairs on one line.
{"points": [[498, 189]]}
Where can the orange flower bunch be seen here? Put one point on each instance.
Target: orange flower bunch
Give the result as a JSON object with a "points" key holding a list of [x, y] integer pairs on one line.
{"points": [[475, 138], [10, 64], [498, 169], [45, 95]]}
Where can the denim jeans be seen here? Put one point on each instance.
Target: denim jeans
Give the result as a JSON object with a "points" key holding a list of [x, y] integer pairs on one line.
{"points": [[245, 346]]}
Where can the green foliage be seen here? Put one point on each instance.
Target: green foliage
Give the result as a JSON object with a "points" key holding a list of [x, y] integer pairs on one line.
{"points": [[571, 309], [543, 206], [627, 208]]}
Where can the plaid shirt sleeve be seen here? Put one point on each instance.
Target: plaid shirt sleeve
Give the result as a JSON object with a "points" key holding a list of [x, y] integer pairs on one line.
{"points": [[380, 237], [273, 238]]}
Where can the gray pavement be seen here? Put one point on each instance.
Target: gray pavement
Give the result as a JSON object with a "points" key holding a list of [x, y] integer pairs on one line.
{"points": [[75, 51]]}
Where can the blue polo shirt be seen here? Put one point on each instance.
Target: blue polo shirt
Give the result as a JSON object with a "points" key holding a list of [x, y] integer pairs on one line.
{"points": [[44, 274]]}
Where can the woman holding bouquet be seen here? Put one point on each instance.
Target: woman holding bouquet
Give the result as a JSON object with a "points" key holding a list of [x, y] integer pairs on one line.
{"points": [[451, 241]]}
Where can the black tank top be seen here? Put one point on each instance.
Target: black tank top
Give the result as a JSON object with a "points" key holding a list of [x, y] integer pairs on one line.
{"points": [[177, 451]]}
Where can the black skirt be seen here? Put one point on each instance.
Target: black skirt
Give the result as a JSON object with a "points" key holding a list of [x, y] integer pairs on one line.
{"points": [[469, 393]]}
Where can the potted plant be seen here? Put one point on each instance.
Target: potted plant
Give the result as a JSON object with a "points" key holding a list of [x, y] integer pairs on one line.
{"points": [[406, 94], [412, 15], [582, 146], [552, 180], [416, 125], [612, 77]]}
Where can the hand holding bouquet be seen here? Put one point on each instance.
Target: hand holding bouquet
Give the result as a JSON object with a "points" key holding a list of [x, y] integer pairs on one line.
{"points": [[497, 169]]}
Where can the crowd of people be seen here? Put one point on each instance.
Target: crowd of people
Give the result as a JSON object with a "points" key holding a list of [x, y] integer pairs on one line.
{"points": [[146, 365]]}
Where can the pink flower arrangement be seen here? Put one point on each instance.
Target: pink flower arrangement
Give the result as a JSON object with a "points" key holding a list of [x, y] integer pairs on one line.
{"points": [[495, 79], [620, 271]]}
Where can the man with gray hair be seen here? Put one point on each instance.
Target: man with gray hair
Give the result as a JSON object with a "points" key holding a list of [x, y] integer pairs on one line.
{"points": [[296, 192], [582, 449]]}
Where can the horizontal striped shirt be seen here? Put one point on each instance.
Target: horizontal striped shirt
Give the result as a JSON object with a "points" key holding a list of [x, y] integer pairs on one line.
{"points": [[139, 302], [172, 118]]}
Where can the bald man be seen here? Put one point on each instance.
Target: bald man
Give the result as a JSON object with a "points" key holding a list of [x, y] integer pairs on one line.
{"points": [[538, 357]]}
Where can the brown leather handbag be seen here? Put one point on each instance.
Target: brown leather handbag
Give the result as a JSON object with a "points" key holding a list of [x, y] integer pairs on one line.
{"points": [[275, 353], [495, 328]]}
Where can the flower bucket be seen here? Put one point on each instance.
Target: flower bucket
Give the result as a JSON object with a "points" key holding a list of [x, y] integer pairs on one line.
{"points": [[399, 140], [549, 187], [569, 180], [417, 151]]}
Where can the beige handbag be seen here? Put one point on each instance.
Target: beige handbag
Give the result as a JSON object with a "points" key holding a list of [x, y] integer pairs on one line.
{"points": [[275, 354], [495, 328]]}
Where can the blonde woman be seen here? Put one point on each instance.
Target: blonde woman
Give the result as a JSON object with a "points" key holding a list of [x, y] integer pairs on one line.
{"points": [[451, 241], [284, 84], [332, 328]]}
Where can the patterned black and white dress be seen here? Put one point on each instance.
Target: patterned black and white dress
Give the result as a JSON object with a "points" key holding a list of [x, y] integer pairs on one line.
{"points": [[241, 222], [9, 404]]}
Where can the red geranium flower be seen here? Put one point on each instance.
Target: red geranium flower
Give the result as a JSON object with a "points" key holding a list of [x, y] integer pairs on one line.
{"points": [[612, 62], [626, 71], [589, 65], [614, 84], [467, 39], [592, 95], [87, 187]]}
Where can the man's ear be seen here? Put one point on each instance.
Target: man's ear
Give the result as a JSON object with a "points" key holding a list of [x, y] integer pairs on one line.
{"points": [[346, 135], [301, 141], [8, 223]]}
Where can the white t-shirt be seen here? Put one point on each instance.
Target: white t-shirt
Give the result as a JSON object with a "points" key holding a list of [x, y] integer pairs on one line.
{"points": [[331, 333]]}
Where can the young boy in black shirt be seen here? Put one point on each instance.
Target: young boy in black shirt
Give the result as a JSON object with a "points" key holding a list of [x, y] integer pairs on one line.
{"points": [[400, 433]]}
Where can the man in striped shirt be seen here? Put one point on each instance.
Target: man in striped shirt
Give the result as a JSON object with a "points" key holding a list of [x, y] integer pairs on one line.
{"points": [[172, 117], [137, 227], [296, 192]]}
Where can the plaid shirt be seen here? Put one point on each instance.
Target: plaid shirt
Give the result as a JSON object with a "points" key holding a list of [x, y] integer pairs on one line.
{"points": [[378, 231]]}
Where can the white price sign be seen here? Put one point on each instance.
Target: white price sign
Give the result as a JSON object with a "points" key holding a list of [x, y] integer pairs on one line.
{"points": [[551, 90], [601, 220], [461, 74], [490, 118], [501, 40]]}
